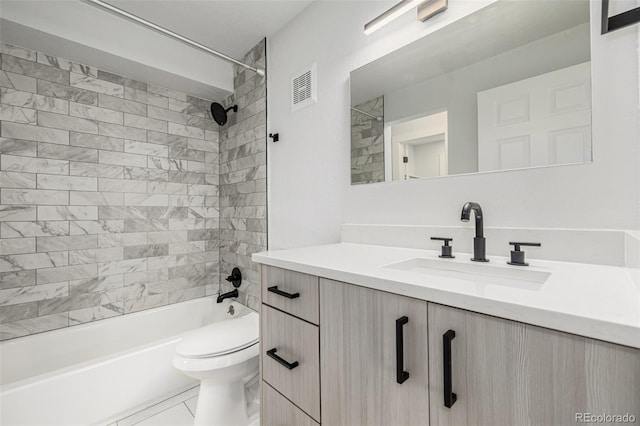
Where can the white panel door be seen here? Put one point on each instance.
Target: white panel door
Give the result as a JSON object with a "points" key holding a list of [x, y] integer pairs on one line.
{"points": [[539, 121]]}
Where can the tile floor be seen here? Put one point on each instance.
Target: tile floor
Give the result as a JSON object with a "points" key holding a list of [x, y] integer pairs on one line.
{"points": [[178, 410]]}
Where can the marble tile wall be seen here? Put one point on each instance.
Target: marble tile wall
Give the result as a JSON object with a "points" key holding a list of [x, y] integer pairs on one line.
{"points": [[243, 184], [109, 192], [367, 143]]}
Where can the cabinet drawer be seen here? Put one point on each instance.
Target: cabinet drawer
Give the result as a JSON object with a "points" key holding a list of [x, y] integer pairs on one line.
{"points": [[292, 292], [279, 411], [294, 368]]}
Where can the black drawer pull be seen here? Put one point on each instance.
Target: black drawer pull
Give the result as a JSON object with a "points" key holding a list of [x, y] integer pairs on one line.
{"points": [[449, 397], [401, 375], [275, 290], [289, 365]]}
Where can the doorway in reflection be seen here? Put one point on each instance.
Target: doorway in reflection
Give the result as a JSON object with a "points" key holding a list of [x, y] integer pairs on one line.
{"points": [[418, 147]]}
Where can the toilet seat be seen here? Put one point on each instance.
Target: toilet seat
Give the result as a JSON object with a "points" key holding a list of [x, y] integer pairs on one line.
{"points": [[187, 364], [220, 338]]}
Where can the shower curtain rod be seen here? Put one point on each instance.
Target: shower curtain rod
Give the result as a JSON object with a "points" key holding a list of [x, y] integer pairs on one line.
{"points": [[169, 33], [378, 118]]}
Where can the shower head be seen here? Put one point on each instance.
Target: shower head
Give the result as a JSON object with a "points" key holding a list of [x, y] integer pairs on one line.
{"points": [[219, 114]]}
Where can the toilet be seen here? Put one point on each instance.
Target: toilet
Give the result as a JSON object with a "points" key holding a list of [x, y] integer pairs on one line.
{"points": [[224, 357]]}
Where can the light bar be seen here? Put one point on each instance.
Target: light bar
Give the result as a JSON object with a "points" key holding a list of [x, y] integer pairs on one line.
{"points": [[399, 9]]}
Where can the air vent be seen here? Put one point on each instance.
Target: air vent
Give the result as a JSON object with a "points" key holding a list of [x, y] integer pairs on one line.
{"points": [[303, 89]]}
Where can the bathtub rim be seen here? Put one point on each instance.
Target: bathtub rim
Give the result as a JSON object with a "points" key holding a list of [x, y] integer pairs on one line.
{"points": [[7, 388]]}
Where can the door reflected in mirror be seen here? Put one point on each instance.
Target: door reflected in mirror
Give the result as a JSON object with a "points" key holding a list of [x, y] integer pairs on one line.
{"points": [[419, 147], [507, 87]]}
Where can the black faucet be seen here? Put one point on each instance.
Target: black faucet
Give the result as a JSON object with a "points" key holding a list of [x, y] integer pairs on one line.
{"points": [[232, 293], [479, 242]]}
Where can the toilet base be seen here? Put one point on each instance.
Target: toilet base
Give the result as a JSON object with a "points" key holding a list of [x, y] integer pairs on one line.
{"points": [[224, 405], [221, 405]]}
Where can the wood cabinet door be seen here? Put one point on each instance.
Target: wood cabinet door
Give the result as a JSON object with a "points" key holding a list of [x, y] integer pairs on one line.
{"points": [[279, 411], [359, 363], [508, 373]]}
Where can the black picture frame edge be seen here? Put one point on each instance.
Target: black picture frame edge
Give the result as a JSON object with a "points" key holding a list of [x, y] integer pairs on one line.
{"points": [[621, 20]]}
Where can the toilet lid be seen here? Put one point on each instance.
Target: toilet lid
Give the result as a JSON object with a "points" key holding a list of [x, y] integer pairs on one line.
{"points": [[220, 338]]}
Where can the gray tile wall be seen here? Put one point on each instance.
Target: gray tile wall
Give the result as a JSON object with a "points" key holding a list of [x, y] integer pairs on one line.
{"points": [[109, 192], [367, 143], [243, 185]]}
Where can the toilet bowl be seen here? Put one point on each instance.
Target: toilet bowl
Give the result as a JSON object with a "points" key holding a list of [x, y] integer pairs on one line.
{"points": [[224, 357]]}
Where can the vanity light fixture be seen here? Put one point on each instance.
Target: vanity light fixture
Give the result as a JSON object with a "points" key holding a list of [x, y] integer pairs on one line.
{"points": [[399, 9], [431, 8], [426, 10]]}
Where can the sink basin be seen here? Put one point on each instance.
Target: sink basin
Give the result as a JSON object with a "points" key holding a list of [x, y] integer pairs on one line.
{"points": [[480, 273]]}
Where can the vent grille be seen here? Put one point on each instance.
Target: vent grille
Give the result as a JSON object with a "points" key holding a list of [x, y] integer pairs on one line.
{"points": [[303, 90], [302, 87]]}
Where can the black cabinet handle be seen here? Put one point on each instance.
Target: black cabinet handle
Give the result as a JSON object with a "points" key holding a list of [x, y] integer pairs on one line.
{"points": [[289, 365], [401, 375], [449, 397], [275, 290]]}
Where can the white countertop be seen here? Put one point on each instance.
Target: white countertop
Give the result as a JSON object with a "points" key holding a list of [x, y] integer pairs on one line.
{"points": [[601, 302]]}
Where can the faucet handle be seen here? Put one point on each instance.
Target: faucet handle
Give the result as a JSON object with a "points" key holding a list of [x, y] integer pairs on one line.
{"points": [[235, 278], [517, 256], [446, 248]]}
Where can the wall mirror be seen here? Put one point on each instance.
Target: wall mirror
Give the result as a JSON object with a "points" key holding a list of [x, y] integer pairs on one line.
{"points": [[507, 87]]}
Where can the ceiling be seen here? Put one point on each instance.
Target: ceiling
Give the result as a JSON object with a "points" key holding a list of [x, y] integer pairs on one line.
{"points": [[232, 27]]}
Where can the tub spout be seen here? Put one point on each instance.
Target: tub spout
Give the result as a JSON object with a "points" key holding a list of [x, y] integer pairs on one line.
{"points": [[233, 293]]}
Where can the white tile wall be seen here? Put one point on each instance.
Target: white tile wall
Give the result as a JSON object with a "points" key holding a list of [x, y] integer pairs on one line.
{"points": [[109, 197], [243, 157]]}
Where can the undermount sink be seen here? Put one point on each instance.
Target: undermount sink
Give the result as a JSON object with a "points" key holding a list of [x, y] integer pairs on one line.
{"points": [[472, 272]]}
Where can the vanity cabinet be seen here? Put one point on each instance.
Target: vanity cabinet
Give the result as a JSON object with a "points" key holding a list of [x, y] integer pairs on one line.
{"points": [[509, 373], [280, 411], [289, 348], [292, 365], [292, 292], [369, 357], [373, 352]]}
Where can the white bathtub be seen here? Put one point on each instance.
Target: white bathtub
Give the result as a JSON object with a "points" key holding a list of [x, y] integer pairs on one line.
{"points": [[94, 373]]}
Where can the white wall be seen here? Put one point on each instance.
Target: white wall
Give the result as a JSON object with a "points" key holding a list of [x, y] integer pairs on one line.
{"points": [[309, 191]]}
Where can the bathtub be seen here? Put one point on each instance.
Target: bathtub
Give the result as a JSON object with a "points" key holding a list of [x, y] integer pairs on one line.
{"points": [[98, 372]]}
